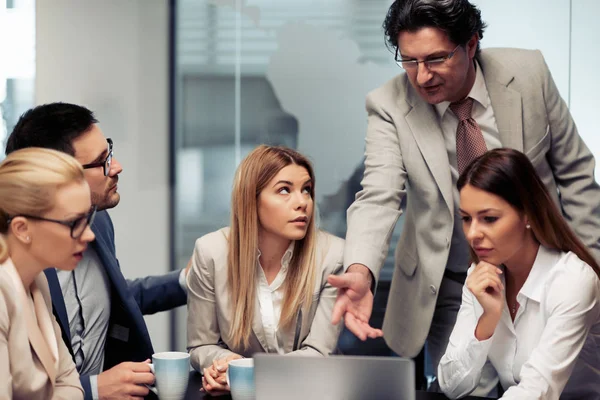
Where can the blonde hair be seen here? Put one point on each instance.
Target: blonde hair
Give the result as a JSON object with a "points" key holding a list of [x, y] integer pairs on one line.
{"points": [[29, 179], [251, 177]]}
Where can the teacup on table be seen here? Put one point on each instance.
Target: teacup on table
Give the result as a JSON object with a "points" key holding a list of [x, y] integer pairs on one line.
{"points": [[171, 371], [240, 378]]}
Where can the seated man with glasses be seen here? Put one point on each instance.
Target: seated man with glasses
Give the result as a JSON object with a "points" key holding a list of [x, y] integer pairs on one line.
{"points": [[100, 312], [451, 103]]}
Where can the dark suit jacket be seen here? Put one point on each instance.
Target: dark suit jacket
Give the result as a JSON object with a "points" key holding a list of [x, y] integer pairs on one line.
{"points": [[127, 337]]}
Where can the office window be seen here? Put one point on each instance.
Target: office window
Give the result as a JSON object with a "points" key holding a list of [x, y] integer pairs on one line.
{"points": [[17, 68]]}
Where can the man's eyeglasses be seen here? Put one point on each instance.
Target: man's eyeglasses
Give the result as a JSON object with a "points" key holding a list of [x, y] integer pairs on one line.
{"points": [[77, 225], [431, 63], [106, 162]]}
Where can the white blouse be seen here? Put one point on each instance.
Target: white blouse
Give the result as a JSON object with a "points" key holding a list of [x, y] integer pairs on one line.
{"points": [[552, 347], [270, 299]]}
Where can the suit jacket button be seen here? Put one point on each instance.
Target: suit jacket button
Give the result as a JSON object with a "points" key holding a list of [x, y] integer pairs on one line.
{"points": [[433, 289]]}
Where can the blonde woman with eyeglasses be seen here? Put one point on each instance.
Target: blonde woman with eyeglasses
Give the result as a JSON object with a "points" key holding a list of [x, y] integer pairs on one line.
{"points": [[261, 284], [45, 216]]}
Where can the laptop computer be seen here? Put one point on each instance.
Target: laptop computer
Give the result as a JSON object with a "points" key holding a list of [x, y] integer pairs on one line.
{"points": [[333, 378]]}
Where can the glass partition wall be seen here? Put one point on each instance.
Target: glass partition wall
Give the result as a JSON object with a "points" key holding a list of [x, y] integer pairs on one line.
{"points": [[291, 73], [296, 73]]}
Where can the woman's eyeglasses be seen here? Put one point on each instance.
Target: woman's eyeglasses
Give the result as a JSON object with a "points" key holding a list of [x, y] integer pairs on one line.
{"points": [[77, 225]]}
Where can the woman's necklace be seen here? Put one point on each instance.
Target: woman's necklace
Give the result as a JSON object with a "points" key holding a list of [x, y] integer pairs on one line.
{"points": [[513, 309]]}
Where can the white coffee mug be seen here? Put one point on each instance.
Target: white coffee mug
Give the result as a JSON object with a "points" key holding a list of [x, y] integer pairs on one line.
{"points": [[171, 371], [240, 378]]}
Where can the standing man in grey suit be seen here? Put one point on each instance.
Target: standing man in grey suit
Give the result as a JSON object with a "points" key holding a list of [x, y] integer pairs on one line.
{"points": [[452, 103]]}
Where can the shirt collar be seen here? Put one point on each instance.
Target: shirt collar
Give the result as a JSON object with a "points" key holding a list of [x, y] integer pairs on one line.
{"points": [[478, 93], [536, 280], [287, 256]]}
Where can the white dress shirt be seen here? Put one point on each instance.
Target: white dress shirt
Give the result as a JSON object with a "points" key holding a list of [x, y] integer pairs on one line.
{"points": [[483, 114], [270, 299], [553, 344]]}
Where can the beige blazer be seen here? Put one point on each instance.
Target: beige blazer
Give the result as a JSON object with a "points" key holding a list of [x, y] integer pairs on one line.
{"points": [[209, 312], [34, 361], [406, 156]]}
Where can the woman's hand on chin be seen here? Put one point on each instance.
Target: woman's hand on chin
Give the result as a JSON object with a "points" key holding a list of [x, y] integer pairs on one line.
{"points": [[485, 284]]}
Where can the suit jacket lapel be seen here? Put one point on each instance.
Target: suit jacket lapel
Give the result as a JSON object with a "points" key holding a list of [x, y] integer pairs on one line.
{"points": [[423, 122], [35, 336], [506, 102], [46, 329], [103, 250], [58, 302], [38, 344], [292, 342], [125, 311]]}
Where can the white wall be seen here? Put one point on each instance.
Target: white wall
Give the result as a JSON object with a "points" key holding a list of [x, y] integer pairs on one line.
{"points": [[112, 56], [585, 81], [531, 24]]}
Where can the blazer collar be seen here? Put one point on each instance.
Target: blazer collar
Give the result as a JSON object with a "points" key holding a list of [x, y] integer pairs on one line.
{"points": [[39, 325], [118, 284], [424, 125], [506, 102], [293, 339], [58, 302], [103, 249]]}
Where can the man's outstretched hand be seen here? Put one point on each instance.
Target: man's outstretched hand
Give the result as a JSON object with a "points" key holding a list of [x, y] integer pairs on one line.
{"points": [[354, 301]]}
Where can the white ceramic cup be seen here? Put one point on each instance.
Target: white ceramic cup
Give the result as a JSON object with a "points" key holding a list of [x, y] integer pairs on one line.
{"points": [[171, 370], [240, 378]]}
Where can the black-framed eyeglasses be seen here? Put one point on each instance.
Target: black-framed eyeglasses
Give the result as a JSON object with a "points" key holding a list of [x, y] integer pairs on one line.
{"points": [[77, 225], [431, 63], [106, 162]]}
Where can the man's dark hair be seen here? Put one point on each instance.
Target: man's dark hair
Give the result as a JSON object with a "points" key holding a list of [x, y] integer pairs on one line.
{"points": [[458, 18], [52, 126]]}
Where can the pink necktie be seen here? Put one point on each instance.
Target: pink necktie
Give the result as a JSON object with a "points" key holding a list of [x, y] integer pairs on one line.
{"points": [[469, 139]]}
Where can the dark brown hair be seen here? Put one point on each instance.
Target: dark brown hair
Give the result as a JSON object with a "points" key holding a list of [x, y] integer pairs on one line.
{"points": [[509, 174]]}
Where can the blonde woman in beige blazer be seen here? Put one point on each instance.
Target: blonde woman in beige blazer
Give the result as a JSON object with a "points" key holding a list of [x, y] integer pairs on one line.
{"points": [[261, 285], [45, 213]]}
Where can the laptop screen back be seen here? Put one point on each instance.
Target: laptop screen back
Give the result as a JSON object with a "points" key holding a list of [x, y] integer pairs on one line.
{"points": [[333, 378]]}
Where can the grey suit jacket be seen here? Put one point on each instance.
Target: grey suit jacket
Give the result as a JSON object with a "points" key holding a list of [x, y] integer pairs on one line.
{"points": [[27, 368], [405, 155], [209, 307]]}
